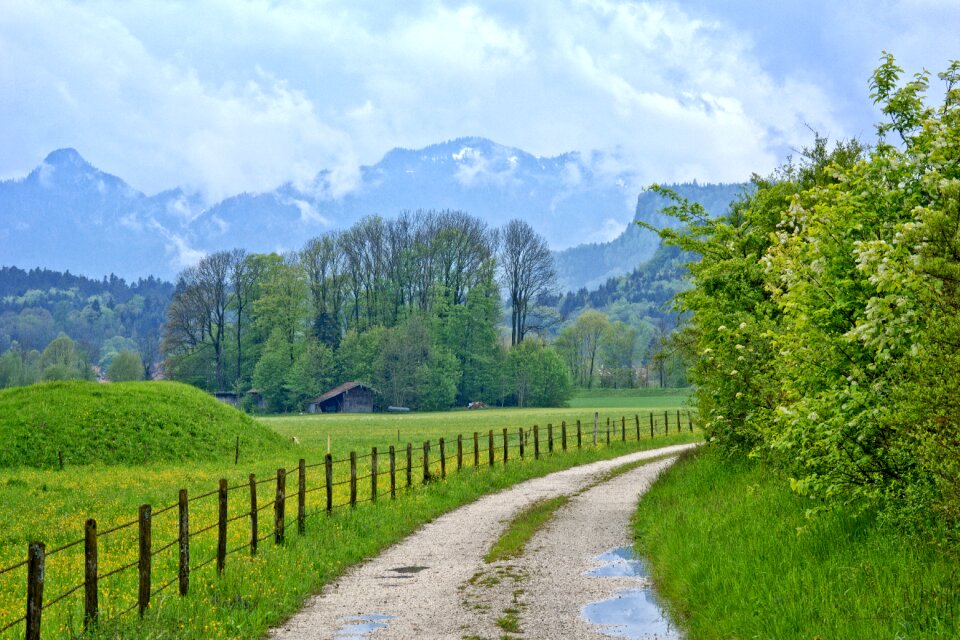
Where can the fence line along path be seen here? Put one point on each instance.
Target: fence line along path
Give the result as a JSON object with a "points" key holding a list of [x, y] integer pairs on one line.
{"points": [[292, 497]]}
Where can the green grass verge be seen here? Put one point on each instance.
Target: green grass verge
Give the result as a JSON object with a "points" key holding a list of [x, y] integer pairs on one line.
{"points": [[123, 423], [733, 556], [524, 525]]}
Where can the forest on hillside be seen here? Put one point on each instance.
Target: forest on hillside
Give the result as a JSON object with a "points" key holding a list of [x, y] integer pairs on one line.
{"points": [[58, 325]]}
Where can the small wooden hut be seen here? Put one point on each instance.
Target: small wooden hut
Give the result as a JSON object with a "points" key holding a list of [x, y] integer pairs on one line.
{"points": [[350, 397]]}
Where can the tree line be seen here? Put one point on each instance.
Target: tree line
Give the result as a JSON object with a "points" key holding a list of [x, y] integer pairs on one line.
{"points": [[62, 326], [824, 332], [410, 305]]}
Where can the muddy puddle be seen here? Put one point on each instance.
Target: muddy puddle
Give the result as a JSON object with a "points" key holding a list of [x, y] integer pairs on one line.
{"points": [[630, 613]]}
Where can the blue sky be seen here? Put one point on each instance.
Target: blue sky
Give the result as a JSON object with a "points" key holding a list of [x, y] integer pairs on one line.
{"points": [[227, 96]]}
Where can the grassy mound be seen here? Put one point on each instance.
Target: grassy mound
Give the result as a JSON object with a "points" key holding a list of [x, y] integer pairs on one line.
{"points": [[123, 423]]}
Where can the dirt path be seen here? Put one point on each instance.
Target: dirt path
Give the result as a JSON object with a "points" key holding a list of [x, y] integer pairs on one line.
{"points": [[594, 523], [430, 585]]}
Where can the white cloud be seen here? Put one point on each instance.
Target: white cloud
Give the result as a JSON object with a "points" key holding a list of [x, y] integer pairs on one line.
{"points": [[308, 214], [226, 96], [606, 231], [179, 251]]}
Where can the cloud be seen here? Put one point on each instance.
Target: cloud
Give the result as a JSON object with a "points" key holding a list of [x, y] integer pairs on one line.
{"points": [[308, 213], [474, 167], [179, 251], [226, 97], [91, 82], [606, 231]]}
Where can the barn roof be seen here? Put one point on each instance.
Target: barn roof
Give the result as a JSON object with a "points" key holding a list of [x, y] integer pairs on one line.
{"points": [[346, 386]]}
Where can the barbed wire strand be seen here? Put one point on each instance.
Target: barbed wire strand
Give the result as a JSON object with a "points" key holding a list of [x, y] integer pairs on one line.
{"points": [[12, 624]]}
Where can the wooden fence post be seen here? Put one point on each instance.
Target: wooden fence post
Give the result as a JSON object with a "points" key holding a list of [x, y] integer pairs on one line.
{"points": [[550, 437], [393, 473], [579, 435], [36, 568], [476, 449], [183, 526], [623, 429], [221, 526], [536, 442], [254, 534], [302, 497], [521, 442], [563, 434], [651, 424], [506, 446], [279, 506], [678, 420], [490, 447], [459, 452], [608, 431], [143, 594], [90, 601], [426, 462], [353, 478], [409, 464], [689, 422], [636, 417], [596, 417], [666, 423], [328, 472], [443, 459], [373, 474]]}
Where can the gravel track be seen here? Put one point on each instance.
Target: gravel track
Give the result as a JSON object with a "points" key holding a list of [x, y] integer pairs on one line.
{"points": [[592, 523], [444, 589]]}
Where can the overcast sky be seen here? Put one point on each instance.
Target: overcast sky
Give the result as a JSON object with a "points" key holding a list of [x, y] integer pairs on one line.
{"points": [[227, 96]]}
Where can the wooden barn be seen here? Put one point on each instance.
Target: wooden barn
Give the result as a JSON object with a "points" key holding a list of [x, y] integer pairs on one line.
{"points": [[350, 397]]}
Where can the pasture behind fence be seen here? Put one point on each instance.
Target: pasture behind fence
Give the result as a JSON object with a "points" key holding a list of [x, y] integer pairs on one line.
{"points": [[340, 480]]}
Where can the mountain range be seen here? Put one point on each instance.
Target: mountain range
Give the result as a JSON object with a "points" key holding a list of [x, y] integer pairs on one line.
{"points": [[68, 215]]}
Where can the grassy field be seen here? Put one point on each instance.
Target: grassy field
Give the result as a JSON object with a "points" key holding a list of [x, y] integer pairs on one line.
{"points": [[734, 556], [362, 431], [51, 505], [635, 399]]}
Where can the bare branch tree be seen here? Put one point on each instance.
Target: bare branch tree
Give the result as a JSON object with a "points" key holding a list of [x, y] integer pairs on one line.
{"points": [[527, 272], [197, 315]]}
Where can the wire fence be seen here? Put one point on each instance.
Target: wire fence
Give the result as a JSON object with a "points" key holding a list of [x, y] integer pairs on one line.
{"points": [[381, 474]]}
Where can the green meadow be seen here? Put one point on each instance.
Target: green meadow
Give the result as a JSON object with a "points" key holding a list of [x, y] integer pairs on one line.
{"points": [[107, 424]]}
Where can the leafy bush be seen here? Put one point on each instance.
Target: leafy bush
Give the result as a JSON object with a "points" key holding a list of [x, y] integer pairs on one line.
{"points": [[824, 323]]}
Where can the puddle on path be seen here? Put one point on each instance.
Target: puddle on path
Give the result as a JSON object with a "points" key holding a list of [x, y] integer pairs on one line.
{"points": [[619, 562], [411, 569], [360, 627], [631, 613]]}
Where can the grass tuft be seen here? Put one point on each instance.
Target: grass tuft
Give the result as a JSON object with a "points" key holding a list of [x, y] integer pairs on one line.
{"points": [[522, 528]]}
